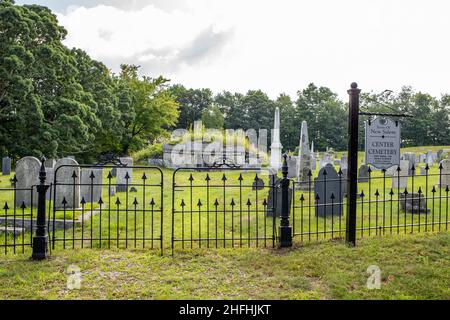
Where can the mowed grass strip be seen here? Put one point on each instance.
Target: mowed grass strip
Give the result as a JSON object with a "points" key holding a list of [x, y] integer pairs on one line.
{"points": [[412, 267]]}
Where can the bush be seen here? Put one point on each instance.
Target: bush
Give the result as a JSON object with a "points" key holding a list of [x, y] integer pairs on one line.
{"points": [[153, 151]]}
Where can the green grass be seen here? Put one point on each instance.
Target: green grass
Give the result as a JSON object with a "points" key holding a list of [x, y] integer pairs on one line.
{"points": [[412, 267]]}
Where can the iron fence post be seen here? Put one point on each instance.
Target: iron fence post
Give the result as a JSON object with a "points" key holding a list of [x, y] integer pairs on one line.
{"points": [[40, 240], [285, 228], [352, 187]]}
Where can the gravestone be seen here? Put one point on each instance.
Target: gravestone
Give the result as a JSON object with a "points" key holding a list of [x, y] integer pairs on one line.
{"points": [[439, 153], [423, 171], [49, 180], [67, 176], [114, 172], [292, 162], [276, 192], [50, 163], [133, 189], [391, 171], [27, 175], [400, 179], [122, 174], [6, 166], [325, 187], [430, 158], [258, 184], [91, 180], [422, 158], [337, 162], [344, 163], [444, 176], [363, 173], [414, 203], [111, 191]]}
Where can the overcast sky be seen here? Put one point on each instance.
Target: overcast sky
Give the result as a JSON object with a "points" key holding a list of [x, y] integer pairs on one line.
{"points": [[273, 45]]}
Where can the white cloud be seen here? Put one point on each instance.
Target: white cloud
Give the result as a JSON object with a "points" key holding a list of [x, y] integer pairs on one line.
{"points": [[273, 45]]}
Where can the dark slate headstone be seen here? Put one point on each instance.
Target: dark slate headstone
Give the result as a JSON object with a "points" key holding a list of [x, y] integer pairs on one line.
{"points": [[326, 186], [275, 192], [133, 189], [414, 203], [6, 166], [258, 184], [114, 172], [363, 173]]}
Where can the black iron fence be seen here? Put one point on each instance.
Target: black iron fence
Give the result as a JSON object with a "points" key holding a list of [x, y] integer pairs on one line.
{"points": [[387, 202], [223, 207], [107, 206], [219, 207], [16, 220]]}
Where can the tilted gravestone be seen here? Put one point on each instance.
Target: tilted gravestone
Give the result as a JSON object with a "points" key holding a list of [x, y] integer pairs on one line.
{"points": [[6, 166], [258, 184], [124, 174], [363, 173], [400, 179], [275, 193], [328, 192], [67, 177], [27, 175], [444, 175], [91, 180]]}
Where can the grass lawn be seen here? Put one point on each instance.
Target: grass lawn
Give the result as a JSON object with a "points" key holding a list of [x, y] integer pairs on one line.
{"points": [[412, 267]]}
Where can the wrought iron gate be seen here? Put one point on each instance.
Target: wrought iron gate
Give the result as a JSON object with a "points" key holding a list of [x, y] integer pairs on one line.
{"points": [[223, 206], [104, 206]]}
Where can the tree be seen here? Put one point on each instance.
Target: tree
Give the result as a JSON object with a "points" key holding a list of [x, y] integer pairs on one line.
{"points": [[44, 110], [192, 102], [326, 116], [291, 123], [147, 108], [212, 118], [231, 106]]}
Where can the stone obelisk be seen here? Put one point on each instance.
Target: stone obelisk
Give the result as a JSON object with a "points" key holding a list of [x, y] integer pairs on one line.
{"points": [[313, 157], [276, 147], [304, 154]]}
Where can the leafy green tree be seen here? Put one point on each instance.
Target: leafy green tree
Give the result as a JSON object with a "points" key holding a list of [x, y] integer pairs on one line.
{"points": [[44, 110], [192, 102], [291, 123], [326, 116], [231, 106], [212, 118], [147, 107]]}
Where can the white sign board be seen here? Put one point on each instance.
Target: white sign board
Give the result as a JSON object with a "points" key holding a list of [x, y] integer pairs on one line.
{"points": [[383, 143]]}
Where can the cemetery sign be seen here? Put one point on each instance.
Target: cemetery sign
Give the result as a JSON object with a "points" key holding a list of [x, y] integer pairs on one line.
{"points": [[382, 148]]}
